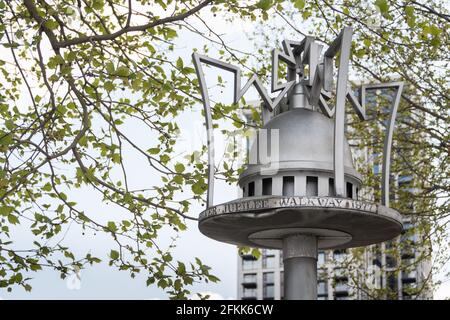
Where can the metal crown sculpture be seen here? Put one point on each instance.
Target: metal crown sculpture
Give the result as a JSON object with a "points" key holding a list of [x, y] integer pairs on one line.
{"points": [[311, 201]]}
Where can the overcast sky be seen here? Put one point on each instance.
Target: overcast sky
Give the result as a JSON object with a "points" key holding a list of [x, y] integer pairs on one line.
{"points": [[104, 282]]}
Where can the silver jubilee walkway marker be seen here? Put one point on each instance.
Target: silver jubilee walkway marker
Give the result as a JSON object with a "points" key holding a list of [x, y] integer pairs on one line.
{"points": [[304, 195]]}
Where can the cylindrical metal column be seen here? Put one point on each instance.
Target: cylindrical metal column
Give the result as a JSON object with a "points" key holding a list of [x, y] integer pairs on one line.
{"points": [[300, 267]]}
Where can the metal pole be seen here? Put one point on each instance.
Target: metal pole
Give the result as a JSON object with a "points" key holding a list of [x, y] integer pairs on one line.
{"points": [[300, 267]]}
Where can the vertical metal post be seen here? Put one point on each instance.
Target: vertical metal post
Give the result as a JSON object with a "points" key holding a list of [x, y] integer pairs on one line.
{"points": [[300, 267], [345, 41]]}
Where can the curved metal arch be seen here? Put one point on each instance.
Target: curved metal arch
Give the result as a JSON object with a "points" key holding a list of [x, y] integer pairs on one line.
{"points": [[387, 145], [239, 92]]}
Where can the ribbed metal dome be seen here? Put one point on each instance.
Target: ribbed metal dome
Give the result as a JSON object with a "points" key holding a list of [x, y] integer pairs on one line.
{"points": [[306, 141]]}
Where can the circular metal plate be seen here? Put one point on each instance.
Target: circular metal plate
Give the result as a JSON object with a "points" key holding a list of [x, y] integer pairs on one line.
{"points": [[340, 222]]}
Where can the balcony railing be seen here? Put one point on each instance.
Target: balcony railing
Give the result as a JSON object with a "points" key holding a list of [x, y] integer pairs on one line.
{"points": [[409, 277], [341, 287], [249, 284]]}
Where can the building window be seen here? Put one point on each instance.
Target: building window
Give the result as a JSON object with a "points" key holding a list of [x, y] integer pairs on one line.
{"points": [[267, 186], [249, 294], [268, 285], [249, 262], [268, 278], [320, 258], [349, 190], [391, 262], [407, 226], [409, 277], [339, 255], [404, 179], [341, 288], [268, 259], [340, 274], [249, 280], [312, 186], [282, 284], [376, 169], [288, 186], [408, 254], [392, 281], [331, 191], [322, 289], [409, 238], [251, 189]]}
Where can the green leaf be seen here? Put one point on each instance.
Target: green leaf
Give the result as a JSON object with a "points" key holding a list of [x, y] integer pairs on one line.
{"points": [[170, 33], [177, 285], [383, 5], [98, 4], [178, 179], [181, 270], [35, 267], [213, 278], [109, 66], [47, 187], [434, 30], [153, 150], [264, 4], [70, 56], [55, 61], [83, 141], [150, 281], [167, 257], [112, 226], [13, 219], [114, 254], [9, 124], [116, 158], [188, 70], [180, 64], [255, 116], [5, 139], [69, 255], [123, 71], [164, 158], [409, 10], [51, 24], [256, 253], [198, 187], [179, 168], [126, 223], [162, 283], [61, 109], [6, 210], [299, 4], [109, 86]]}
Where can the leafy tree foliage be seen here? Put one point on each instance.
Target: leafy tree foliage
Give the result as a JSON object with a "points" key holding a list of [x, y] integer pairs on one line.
{"points": [[64, 66]]}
